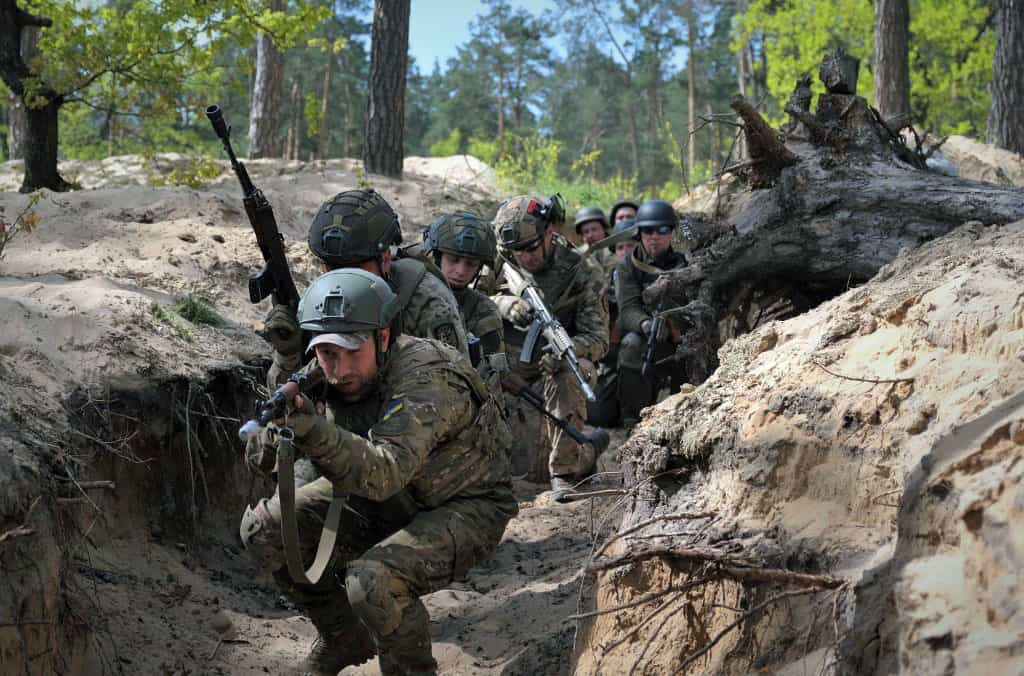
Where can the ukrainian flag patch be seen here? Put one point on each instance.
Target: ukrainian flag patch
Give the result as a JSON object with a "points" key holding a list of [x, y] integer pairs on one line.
{"points": [[393, 408]]}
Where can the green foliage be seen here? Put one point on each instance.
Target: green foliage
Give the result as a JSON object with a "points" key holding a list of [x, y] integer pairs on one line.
{"points": [[24, 222], [950, 53], [194, 173], [449, 146], [167, 315], [197, 310]]}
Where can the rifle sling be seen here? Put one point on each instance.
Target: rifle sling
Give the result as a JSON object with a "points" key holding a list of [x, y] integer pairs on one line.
{"points": [[289, 523]]}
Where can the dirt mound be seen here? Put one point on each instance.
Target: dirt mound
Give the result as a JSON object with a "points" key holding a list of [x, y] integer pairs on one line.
{"points": [[978, 161], [832, 447]]}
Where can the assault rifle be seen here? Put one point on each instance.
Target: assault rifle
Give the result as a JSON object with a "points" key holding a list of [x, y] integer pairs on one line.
{"points": [[275, 277], [652, 342], [544, 323], [515, 385]]}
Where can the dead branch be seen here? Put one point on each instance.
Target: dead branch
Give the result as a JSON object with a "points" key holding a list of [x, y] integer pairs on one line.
{"points": [[739, 620], [586, 495], [763, 143], [876, 381], [686, 516], [18, 532]]}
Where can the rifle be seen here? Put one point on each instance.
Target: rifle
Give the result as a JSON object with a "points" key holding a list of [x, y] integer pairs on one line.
{"points": [[275, 277], [652, 341], [515, 385], [273, 409], [544, 323]]}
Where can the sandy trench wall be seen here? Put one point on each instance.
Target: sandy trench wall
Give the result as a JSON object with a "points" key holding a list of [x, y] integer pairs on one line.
{"points": [[810, 471]]}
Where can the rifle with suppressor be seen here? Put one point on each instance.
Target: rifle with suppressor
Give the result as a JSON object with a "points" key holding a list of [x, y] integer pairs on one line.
{"points": [[515, 385], [275, 277], [544, 323]]}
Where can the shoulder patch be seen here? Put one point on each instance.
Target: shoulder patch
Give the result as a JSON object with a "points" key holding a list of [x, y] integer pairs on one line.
{"points": [[394, 407]]}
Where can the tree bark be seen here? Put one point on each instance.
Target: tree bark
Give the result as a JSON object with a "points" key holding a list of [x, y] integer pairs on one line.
{"points": [[892, 69], [18, 123], [385, 106], [1006, 116], [691, 41], [295, 131], [325, 134], [264, 114], [41, 137]]}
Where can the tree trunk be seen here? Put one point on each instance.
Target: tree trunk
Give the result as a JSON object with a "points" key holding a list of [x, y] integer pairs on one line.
{"points": [[325, 133], [385, 106], [296, 126], [264, 114], [691, 41], [18, 119], [1006, 117], [892, 69], [40, 145]]}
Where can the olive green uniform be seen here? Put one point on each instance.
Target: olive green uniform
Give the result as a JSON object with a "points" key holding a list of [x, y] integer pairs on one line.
{"points": [[572, 290], [632, 276], [423, 460]]}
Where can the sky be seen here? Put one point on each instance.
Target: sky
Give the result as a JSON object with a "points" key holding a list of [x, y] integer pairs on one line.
{"points": [[436, 27]]}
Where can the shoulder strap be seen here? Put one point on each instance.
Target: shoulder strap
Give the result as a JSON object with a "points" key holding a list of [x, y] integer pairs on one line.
{"points": [[407, 273]]}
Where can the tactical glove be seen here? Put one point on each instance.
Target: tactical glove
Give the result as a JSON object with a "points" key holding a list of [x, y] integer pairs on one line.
{"points": [[550, 364], [515, 310], [312, 433], [281, 329]]}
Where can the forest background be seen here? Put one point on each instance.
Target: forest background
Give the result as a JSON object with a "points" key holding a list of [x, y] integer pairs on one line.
{"points": [[596, 98]]}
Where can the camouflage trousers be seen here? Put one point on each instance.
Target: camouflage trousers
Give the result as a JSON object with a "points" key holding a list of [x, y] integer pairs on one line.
{"points": [[388, 554], [634, 390]]}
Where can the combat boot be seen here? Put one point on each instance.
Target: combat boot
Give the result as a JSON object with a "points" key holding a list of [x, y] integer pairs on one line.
{"points": [[329, 655]]}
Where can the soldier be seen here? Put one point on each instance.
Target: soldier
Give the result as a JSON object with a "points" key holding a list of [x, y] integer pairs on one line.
{"points": [[605, 410], [572, 291], [357, 229], [656, 221], [623, 210], [461, 245], [592, 227], [409, 433]]}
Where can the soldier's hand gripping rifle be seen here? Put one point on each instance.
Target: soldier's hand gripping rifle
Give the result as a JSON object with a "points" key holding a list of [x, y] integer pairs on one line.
{"points": [[544, 323], [647, 370], [275, 277], [515, 385], [276, 408]]}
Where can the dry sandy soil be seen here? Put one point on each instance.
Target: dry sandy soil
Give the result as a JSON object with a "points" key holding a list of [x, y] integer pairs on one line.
{"points": [[103, 380]]}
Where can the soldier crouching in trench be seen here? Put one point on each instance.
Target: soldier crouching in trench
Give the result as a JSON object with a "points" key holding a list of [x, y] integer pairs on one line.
{"points": [[407, 430]]}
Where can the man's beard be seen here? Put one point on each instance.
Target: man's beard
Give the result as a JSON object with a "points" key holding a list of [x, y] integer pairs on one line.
{"points": [[353, 388]]}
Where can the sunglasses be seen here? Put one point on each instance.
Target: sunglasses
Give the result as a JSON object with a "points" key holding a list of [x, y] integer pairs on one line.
{"points": [[651, 229]]}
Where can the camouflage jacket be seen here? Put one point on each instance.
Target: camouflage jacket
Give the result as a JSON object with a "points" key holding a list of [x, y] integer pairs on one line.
{"points": [[429, 426], [572, 291], [632, 276], [429, 310], [481, 319]]}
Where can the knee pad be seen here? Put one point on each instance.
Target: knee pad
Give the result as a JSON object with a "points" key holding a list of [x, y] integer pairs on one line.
{"points": [[631, 351], [261, 536], [372, 595]]}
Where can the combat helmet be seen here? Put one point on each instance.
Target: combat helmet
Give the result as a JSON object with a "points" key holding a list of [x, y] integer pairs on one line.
{"points": [[462, 233], [626, 226], [521, 220], [352, 227], [618, 205], [350, 305], [588, 214], [653, 213]]}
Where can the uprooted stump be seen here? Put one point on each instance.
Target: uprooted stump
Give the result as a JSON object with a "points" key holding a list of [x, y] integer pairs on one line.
{"points": [[858, 308]]}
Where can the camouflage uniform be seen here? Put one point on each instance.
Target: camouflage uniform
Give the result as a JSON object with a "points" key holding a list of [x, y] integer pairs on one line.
{"points": [[572, 291], [423, 460], [632, 276], [481, 319]]}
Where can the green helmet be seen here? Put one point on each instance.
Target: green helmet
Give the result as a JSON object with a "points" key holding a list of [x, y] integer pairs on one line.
{"points": [[352, 227], [347, 301], [589, 215], [521, 221], [462, 234]]}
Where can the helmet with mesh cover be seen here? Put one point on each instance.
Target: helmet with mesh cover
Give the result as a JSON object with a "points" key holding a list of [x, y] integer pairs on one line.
{"points": [[352, 227]]}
